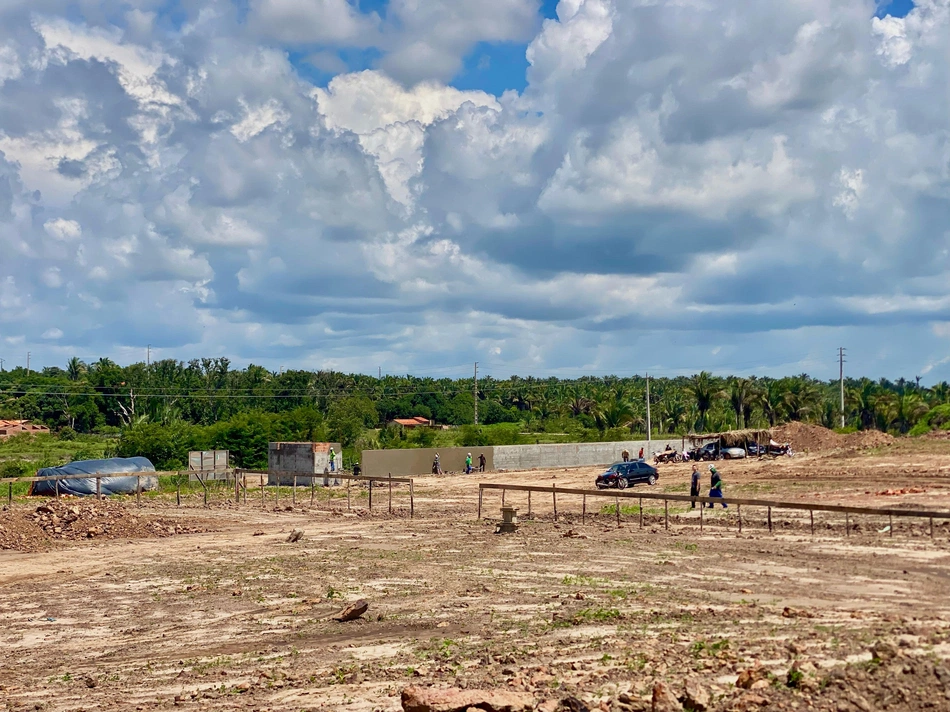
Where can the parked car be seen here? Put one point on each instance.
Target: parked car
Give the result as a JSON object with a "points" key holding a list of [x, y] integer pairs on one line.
{"points": [[756, 449], [732, 453], [626, 474], [709, 451]]}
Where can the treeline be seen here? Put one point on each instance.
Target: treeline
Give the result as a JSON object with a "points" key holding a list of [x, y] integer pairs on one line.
{"points": [[163, 409]]}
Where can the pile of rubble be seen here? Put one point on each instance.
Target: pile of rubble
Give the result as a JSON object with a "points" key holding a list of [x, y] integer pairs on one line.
{"points": [[73, 519]]}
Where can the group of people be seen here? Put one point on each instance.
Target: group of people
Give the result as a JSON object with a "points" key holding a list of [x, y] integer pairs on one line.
{"points": [[626, 455], [469, 466], [715, 485]]}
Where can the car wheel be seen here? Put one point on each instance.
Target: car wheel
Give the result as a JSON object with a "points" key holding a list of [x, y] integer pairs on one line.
{"points": [[621, 483], [651, 480]]}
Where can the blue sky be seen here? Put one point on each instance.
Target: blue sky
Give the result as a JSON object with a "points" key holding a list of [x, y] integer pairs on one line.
{"points": [[300, 183]]}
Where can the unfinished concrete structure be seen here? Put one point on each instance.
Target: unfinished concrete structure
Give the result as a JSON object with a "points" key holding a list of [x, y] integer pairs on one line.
{"points": [[284, 460]]}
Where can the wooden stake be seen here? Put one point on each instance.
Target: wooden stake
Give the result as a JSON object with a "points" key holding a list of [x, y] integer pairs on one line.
{"points": [[554, 497], [666, 514], [480, 493], [890, 525], [847, 524], [263, 504], [618, 511], [412, 501], [138, 490], [10, 494], [293, 492], [178, 489], [98, 487], [371, 495], [390, 492], [770, 519], [584, 509], [641, 512], [529, 504], [701, 511], [56, 485], [931, 527], [348, 495], [739, 512], [811, 517]]}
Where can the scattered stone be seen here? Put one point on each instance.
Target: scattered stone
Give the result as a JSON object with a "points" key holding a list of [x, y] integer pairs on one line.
{"points": [[572, 704], [90, 681], [352, 611], [259, 532], [749, 677], [663, 698], [549, 706], [695, 697], [295, 535], [453, 699], [882, 650], [788, 612]]}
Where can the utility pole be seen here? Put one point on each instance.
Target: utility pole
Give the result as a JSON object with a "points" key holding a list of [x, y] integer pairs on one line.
{"points": [[649, 429], [148, 356], [28, 363], [1, 365], [841, 379], [380, 372], [476, 393]]}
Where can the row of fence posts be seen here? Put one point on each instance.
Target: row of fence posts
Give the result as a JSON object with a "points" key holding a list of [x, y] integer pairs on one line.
{"points": [[702, 509], [240, 484]]}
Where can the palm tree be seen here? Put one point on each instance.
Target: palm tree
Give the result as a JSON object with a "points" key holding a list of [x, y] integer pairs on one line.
{"points": [[75, 369], [673, 414], [616, 411], [703, 391], [771, 401], [739, 398], [862, 398]]}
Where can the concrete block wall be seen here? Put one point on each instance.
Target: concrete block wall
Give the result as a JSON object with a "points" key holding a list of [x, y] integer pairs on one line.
{"points": [[530, 457], [418, 461]]}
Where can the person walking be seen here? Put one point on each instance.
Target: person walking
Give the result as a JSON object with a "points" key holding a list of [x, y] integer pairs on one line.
{"points": [[468, 464], [641, 453], [625, 455], [694, 485], [436, 465], [481, 462], [332, 460], [715, 486]]}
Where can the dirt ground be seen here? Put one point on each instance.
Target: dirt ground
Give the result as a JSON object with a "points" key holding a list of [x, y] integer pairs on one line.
{"points": [[216, 610]]}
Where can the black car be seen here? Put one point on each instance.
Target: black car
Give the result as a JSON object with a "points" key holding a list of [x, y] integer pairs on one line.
{"points": [[625, 474]]}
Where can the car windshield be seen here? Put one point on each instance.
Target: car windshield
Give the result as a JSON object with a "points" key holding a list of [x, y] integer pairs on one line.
{"points": [[614, 469]]}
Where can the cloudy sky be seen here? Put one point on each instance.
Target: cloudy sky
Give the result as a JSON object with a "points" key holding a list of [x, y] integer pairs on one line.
{"points": [[569, 188]]}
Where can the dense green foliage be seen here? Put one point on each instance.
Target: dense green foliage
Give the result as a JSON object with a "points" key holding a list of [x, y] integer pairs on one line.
{"points": [[167, 408]]}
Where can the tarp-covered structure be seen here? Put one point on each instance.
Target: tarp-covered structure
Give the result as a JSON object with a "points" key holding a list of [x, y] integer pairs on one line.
{"points": [[125, 481]]}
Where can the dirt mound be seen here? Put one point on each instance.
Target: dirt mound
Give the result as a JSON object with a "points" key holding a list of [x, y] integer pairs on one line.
{"points": [[74, 519], [936, 435], [807, 437]]}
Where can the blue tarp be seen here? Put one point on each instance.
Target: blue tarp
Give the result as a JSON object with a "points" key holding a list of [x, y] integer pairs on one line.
{"points": [[110, 485]]}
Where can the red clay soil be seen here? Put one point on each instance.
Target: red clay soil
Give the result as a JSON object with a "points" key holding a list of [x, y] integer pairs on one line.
{"points": [[805, 437]]}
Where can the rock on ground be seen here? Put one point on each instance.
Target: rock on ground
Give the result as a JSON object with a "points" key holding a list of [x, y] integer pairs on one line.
{"points": [[453, 699]]}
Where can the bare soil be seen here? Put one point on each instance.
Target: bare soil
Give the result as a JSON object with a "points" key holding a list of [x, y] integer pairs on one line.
{"points": [[239, 618]]}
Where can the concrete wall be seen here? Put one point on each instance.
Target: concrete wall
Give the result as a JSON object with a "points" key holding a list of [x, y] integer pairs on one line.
{"points": [[529, 457], [305, 458], [418, 461], [378, 463]]}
